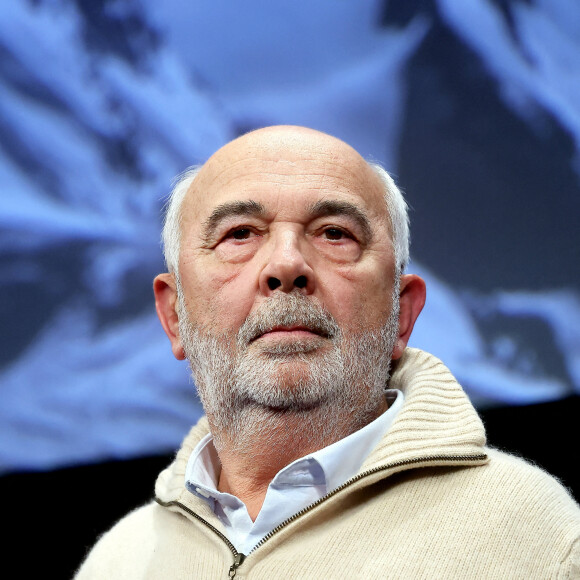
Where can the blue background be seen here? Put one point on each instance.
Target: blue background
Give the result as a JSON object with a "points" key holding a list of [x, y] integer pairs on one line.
{"points": [[473, 106]]}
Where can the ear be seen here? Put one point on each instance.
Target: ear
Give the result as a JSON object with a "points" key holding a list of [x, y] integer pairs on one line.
{"points": [[165, 292], [411, 302]]}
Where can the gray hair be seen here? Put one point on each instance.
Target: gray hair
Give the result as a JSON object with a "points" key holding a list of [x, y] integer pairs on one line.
{"points": [[398, 211], [396, 207], [171, 234]]}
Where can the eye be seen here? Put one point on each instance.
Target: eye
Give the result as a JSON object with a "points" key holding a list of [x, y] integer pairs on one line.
{"points": [[335, 234], [241, 234]]}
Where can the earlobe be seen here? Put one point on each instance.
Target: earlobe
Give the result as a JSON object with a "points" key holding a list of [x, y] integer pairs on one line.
{"points": [[412, 296], [165, 291]]}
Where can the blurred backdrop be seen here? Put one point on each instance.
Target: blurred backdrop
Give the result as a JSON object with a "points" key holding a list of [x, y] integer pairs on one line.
{"points": [[472, 105]]}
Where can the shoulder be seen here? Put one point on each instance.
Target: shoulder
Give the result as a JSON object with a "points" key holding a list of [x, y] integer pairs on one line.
{"points": [[520, 475], [533, 503], [529, 496], [126, 546]]}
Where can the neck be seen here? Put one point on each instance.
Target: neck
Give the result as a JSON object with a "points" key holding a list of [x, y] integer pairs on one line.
{"points": [[267, 440]]}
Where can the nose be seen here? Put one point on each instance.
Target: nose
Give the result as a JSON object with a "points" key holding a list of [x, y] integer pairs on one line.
{"points": [[287, 268]]}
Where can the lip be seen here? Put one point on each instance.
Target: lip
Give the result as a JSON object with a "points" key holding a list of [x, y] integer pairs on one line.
{"points": [[297, 331]]}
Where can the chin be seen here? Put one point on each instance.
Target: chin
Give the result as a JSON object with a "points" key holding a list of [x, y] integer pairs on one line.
{"points": [[291, 389], [278, 404]]}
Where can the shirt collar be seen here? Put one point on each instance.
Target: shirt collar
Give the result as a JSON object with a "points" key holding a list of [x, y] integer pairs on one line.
{"points": [[343, 459], [329, 467]]}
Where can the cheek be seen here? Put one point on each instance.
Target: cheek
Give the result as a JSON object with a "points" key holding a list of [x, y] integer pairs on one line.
{"points": [[360, 298], [221, 297]]}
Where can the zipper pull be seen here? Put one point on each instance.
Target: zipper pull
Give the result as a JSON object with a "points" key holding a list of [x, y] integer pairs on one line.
{"points": [[238, 559]]}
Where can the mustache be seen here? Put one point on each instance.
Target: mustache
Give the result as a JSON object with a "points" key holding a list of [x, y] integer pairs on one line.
{"points": [[288, 310]]}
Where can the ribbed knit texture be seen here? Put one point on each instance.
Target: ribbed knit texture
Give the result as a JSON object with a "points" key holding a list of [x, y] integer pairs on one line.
{"points": [[436, 504]]}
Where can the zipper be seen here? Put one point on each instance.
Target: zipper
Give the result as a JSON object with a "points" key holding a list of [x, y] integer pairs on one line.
{"points": [[357, 478], [239, 557]]}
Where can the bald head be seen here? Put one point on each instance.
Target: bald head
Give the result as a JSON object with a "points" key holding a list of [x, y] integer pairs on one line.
{"points": [[286, 153], [284, 156]]}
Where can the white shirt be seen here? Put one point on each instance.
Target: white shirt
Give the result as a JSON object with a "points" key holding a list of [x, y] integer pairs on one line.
{"points": [[294, 487]]}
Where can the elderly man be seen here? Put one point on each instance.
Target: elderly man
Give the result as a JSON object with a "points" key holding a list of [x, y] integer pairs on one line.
{"points": [[330, 449]]}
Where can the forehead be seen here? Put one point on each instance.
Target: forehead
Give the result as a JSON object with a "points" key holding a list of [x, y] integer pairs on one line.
{"points": [[285, 173]]}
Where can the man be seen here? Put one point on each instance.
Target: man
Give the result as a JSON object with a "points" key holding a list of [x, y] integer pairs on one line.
{"points": [[330, 449]]}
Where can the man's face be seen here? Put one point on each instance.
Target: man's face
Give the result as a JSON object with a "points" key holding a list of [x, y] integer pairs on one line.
{"points": [[287, 280], [286, 211]]}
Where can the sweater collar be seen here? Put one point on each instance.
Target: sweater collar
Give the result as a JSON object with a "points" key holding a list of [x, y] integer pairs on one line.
{"points": [[437, 418]]}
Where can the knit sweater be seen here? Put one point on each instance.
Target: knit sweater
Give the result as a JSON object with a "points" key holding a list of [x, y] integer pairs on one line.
{"points": [[430, 501]]}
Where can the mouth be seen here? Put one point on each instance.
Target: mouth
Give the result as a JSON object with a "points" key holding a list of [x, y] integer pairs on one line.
{"points": [[292, 332]]}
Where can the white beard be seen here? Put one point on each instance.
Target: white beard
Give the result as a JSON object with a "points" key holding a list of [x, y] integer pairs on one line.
{"points": [[246, 386]]}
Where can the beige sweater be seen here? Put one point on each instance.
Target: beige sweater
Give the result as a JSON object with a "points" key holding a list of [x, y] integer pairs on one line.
{"points": [[429, 502]]}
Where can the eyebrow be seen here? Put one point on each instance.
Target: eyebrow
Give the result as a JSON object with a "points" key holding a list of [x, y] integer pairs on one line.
{"points": [[320, 208], [229, 209], [330, 207]]}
